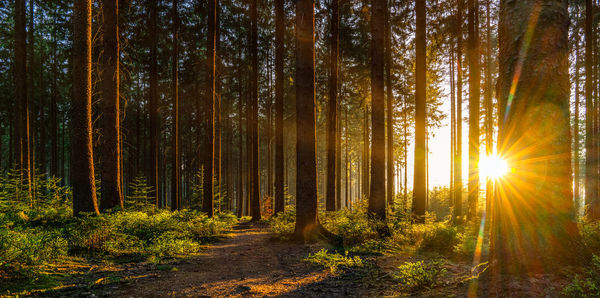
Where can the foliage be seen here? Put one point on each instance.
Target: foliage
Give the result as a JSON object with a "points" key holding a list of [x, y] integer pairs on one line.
{"points": [[283, 223], [588, 285], [334, 261], [419, 275], [591, 236], [140, 195]]}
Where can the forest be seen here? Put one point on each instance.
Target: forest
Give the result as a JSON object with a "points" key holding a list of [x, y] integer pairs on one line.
{"points": [[299, 148]]}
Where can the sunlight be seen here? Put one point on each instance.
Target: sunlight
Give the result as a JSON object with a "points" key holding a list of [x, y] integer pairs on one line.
{"points": [[493, 166]]}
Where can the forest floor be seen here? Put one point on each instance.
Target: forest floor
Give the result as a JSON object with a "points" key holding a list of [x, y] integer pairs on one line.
{"points": [[251, 263]]}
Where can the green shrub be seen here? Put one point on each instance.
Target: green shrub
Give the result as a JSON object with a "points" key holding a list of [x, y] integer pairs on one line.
{"points": [[419, 275], [282, 224], [588, 285], [22, 251], [334, 261]]}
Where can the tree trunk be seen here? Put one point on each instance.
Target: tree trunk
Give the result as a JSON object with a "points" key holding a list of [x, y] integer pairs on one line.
{"points": [[279, 63], [153, 106], [419, 180], [377, 185], [390, 163], [332, 108], [176, 157], [458, 188], [591, 184], [82, 157], [307, 224], [474, 94], [21, 86], [532, 220], [111, 150], [255, 174], [207, 201], [489, 108], [576, 161], [54, 103]]}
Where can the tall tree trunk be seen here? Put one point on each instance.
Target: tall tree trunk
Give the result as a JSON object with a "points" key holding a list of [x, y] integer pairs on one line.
{"points": [[458, 188], [390, 163], [307, 224], [30, 108], [474, 94], [207, 201], [591, 184], [419, 180], [332, 108], [535, 138], [21, 85], [576, 160], [111, 149], [377, 185], [279, 63], [82, 157], [217, 123], [54, 101], [153, 106], [489, 108], [452, 127], [255, 174], [176, 156]]}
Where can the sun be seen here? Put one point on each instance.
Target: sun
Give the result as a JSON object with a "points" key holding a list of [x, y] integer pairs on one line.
{"points": [[493, 166]]}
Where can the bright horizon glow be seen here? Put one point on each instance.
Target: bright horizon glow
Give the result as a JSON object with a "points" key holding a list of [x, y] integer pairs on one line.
{"points": [[493, 166]]}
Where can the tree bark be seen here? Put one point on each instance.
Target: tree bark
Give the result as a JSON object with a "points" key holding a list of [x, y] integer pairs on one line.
{"points": [[390, 163], [533, 222], [474, 94], [255, 174], [458, 187], [377, 185], [419, 189], [591, 184], [279, 63], [82, 156], [153, 106], [176, 156], [207, 201], [111, 149], [332, 108]]}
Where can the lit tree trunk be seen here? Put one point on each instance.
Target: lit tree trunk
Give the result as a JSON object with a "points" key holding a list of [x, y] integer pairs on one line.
{"points": [[419, 204], [279, 63], [207, 202], [390, 112], [489, 108], [30, 121], [153, 106], [474, 94], [452, 127], [82, 157], [111, 150], [332, 108], [377, 185], [217, 123], [458, 188], [255, 174], [591, 184], [533, 220], [176, 157]]}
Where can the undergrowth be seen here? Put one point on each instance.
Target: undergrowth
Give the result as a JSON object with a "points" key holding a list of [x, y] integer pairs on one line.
{"points": [[334, 261]]}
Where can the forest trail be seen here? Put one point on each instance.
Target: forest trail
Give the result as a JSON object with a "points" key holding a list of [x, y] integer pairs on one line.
{"points": [[248, 264]]}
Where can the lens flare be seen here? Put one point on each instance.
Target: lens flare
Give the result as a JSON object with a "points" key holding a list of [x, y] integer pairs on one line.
{"points": [[493, 166]]}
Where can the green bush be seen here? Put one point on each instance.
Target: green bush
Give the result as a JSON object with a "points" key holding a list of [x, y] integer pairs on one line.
{"points": [[334, 261], [419, 275], [588, 285], [282, 224]]}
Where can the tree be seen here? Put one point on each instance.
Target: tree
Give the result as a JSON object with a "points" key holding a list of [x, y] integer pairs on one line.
{"points": [[153, 105], [532, 209], [279, 56], [330, 202], [176, 156], [419, 189], [474, 94], [82, 156], [207, 201], [390, 110], [255, 173], [458, 188], [307, 223], [377, 186], [111, 149], [591, 183]]}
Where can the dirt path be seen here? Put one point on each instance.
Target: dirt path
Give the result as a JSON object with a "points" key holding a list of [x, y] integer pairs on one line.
{"points": [[248, 263]]}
